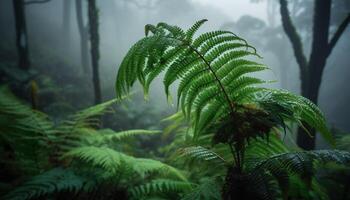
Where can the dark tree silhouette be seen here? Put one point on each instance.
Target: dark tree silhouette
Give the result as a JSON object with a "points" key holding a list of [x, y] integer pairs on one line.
{"points": [[94, 43], [66, 20], [311, 70], [21, 31], [83, 31], [21, 34]]}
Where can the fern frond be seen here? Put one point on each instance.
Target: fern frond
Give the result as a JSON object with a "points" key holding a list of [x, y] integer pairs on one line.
{"points": [[160, 186], [103, 157], [53, 181], [213, 70], [87, 117], [114, 162], [201, 153], [26, 131], [118, 136], [202, 71], [297, 108], [208, 189], [282, 166]]}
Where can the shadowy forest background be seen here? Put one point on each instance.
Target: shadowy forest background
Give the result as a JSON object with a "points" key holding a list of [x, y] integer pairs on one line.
{"points": [[58, 57], [61, 56]]}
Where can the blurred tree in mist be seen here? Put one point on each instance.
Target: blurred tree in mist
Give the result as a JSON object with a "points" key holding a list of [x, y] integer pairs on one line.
{"points": [[21, 31], [66, 20], [94, 42], [21, 34], [83, 32], [311, 69]]}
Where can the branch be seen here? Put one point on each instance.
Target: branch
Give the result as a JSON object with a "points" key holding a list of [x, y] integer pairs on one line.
{"points": [[293, 35], [338, 33], [35, 2]]}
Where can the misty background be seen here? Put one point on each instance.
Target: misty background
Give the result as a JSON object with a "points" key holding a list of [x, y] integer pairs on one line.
{"points": [[54, 43]]}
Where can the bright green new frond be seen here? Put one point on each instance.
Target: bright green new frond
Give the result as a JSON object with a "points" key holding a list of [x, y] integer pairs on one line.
{"points": [[54, 181]]}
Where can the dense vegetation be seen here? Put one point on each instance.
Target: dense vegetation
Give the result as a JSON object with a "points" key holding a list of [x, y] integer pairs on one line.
{"points": [[228, 137]]}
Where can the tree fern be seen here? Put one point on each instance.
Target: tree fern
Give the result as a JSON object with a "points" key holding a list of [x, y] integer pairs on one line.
{"points": [[224, 103], [213, 73]]}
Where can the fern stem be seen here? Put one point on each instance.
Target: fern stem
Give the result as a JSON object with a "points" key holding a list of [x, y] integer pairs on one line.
{"points": [[215, 76]]}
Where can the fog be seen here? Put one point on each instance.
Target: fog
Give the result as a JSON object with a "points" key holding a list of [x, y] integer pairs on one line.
{"points": [[56, 47]]}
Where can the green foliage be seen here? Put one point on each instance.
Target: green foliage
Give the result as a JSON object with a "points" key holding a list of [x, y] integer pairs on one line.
{"points": [[213, 70], [226, 104], [302, 164], [160, 186], [24, 131], [207, 189], [55, 180], [116, 162], [92, 154], [130, 133]]}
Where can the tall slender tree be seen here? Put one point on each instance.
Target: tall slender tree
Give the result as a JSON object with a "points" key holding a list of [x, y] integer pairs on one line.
{"points": [[21, 34], [83, 32], [21, 31], [94, 45], [311, 70], [66, 20]]}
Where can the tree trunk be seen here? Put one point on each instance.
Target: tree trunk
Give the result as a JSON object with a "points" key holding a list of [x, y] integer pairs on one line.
{"points": [[66, 21], [21, 35], [83, 31], [311, 72], [312, 78], [94, 43]]}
